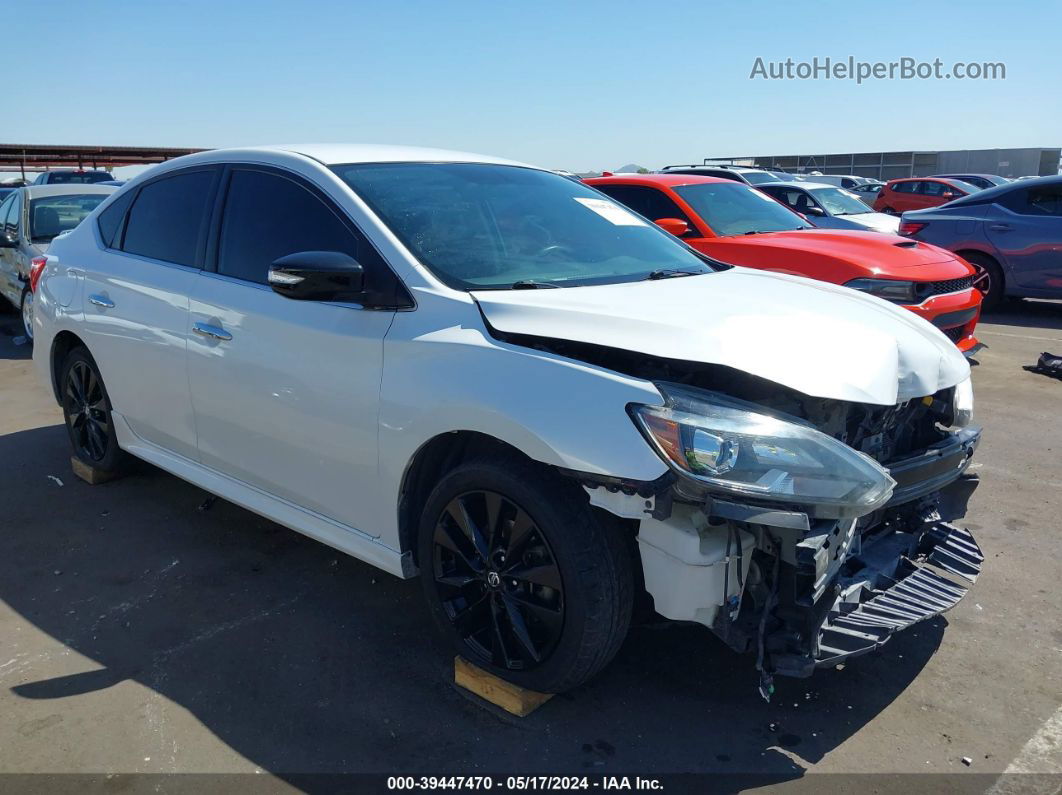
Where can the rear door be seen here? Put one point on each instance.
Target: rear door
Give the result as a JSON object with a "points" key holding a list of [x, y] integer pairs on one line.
{"points": [[136, 302], [286, 392], [1025, 226]]}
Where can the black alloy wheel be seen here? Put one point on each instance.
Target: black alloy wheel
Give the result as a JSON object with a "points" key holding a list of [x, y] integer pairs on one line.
{"points": [[86, 410], [498, 580]]}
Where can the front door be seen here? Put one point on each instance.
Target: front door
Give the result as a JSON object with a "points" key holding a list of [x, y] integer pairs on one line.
{"points": [[286, 392], [1027, 232]]}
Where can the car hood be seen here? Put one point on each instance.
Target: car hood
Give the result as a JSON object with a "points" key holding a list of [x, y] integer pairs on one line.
{"points": [[858, 247], [817, 338], [879, 222]]}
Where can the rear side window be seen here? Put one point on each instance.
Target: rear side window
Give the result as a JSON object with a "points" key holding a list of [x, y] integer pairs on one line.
{"points": [[166, 220], [110, 220], [268, 216], [903, 187], [1046, 200]]}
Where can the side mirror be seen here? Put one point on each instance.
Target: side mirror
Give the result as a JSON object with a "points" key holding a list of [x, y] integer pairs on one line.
{"points": [[821, 213], [675, 226], [6, 241], [947, 195], [318, 276]]}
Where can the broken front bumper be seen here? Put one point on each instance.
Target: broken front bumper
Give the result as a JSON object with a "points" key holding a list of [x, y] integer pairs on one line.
{"points": [[906, 578]]}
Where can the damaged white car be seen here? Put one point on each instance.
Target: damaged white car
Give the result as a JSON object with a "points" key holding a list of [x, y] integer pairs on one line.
{"points": [[547, 407]]}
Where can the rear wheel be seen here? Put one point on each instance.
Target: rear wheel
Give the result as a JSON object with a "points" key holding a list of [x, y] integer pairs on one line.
{"points": [[523, 577], [87, 410], [889, 211], [989, 279], [27, 313]]}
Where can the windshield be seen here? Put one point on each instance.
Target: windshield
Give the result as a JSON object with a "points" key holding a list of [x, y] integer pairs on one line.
{"points": [[480, 226], [51, 215], [838, 201], [735, 209], [966, 187], [759, 177], [77, 177]]}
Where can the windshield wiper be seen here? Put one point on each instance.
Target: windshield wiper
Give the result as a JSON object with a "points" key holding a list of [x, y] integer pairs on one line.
{"points": [[670, 274], [531, 284]]}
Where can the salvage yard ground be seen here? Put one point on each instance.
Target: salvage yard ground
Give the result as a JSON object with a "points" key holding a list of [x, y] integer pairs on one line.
{"points": [[142, 629]]}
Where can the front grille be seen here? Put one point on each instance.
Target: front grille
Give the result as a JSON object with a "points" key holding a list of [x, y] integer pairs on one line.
{"points": [[955, 333], [949, 286]]}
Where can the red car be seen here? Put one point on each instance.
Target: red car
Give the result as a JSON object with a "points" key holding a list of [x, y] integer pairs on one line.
{"points": [[736, 223], [900, 195]]}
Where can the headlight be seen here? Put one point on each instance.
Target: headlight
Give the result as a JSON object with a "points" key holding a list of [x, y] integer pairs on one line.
{"points": [[963, 404], [889, 289], [731, 446]]}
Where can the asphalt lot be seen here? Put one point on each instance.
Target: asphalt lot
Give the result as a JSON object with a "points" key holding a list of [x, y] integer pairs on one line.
{"points": [[141, 633]]}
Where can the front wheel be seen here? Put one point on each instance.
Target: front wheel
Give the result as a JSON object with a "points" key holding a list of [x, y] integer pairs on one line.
{"points": [[523, 577]]}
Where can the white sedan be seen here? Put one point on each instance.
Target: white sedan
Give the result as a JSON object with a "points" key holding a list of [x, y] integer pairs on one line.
{"points": [[499, 379]]}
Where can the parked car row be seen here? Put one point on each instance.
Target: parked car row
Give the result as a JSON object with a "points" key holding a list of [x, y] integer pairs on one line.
{"points": [[521, 389], [741, 225], [30, 219], [1012, 234]]}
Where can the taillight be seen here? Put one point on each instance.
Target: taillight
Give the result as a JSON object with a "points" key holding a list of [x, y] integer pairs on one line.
{"points": [[910, 228], [36, 269]]}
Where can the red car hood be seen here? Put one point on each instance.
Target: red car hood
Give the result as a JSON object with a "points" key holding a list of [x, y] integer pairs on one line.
{"points": [[861, 248]]}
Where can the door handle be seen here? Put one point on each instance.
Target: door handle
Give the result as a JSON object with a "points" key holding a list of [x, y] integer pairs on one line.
{"points": [[101, 301], [999, 227], [215, 333]]}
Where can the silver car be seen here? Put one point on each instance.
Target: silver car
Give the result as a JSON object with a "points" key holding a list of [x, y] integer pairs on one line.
{"points": [[830, 207], [30, 218]]}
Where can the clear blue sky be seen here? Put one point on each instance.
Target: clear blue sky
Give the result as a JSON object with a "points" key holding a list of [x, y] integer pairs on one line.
{"points": [[577, 85]]}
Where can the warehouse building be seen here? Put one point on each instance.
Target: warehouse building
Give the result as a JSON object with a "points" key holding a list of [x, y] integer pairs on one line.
{"points": [[894, 165]]}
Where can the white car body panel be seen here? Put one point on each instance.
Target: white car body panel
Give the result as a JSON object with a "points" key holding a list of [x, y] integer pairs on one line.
{"points": [[289, 404], [820, 339], [312, 413], [877, 222]]}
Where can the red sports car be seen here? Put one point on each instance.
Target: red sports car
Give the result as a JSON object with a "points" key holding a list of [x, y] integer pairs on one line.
{"points": [[900, 195], [738, 224]]}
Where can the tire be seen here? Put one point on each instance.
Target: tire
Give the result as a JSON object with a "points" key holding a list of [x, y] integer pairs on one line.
{"points": [[889, 211], [573, 630], [87, 413], [991, 276], [26, 310]]}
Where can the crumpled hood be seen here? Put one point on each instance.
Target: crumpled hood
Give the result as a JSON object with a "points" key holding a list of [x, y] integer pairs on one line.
{"points": [[859, 247], [817, 338]]}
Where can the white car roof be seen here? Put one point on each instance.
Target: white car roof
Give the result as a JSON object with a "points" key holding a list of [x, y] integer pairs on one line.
{"points": [[68, 188], [333, 154]]}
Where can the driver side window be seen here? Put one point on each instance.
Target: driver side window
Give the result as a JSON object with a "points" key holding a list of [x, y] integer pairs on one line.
{"points": [[268, 216], [650, 202]]}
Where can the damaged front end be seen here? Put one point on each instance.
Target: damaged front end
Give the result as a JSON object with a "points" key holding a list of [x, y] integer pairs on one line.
{"points": [[800, 529]]}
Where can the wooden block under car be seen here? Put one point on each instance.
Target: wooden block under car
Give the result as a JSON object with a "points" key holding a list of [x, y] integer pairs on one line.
{"points": [[89, 474], [512, 698]]}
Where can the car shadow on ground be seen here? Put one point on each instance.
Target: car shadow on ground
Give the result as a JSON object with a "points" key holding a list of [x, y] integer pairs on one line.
{"points": [[304, 660], [1026, 313], [11, 330]]}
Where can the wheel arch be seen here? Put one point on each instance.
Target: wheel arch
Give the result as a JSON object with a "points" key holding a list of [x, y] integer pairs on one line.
{"points": [[430, 462], [63, 342]]}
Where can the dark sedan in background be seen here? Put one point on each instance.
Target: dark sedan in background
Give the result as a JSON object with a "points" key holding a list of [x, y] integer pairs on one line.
{"points": [[1011, 233]]}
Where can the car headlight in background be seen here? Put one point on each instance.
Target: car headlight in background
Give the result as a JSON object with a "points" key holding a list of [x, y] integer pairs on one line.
{"points": [[889, 289], [963, 404], [732, 447]]}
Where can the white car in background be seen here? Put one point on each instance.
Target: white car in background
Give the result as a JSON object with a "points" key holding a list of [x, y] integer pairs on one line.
{"points": [[545, 405]]}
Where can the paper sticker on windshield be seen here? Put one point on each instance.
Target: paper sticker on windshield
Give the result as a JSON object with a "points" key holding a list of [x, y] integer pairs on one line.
{"points": [[611, 212]]}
